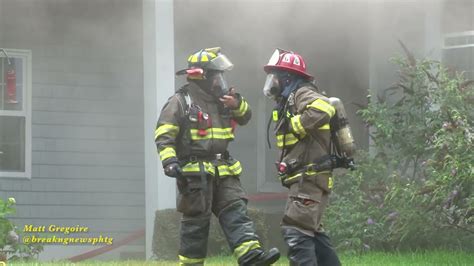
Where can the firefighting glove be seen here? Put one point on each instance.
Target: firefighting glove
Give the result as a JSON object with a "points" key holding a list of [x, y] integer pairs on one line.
{"points": [[173, 170]]}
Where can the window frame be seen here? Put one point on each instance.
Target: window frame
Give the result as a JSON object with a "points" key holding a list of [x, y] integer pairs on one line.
{"points": [[26, 56], [466, 44], [264, 184]]}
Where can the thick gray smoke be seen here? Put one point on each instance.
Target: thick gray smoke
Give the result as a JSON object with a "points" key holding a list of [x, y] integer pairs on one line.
{"points": [[346, 45]]}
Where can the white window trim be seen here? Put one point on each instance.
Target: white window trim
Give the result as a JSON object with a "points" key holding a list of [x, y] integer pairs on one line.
{"points": [[458, 34], [26, 111], [263, 184]]}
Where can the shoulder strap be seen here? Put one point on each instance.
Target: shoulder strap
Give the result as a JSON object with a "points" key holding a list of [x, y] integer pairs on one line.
{"points": [[184, 100]]}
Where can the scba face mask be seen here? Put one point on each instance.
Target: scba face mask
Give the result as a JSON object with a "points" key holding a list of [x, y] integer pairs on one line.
{"points": [[219, 86], [272, 88]]}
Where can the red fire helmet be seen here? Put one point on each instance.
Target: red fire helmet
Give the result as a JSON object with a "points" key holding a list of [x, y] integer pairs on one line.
{"points": [[289, 61]]}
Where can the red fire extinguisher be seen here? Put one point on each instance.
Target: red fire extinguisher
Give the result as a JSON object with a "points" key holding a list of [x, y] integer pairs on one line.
{"points": [[11, 83], [10, 77]]}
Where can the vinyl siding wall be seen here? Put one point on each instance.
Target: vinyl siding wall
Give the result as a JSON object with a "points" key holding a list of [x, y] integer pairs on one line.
{"points": [[87, 116]]}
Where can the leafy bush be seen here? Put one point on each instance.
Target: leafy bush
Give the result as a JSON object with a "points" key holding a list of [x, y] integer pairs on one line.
{"points": [[415, 189], [10, 246], [166, 234]]}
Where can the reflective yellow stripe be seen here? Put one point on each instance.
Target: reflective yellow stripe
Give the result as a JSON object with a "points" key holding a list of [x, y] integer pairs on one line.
{"points": [[167, 152], [330, 182], [235, 169], [290, 178], [245, 247], [275, 115], [224, 170], [297, 126], [236, 166], [194, 59], [243, 108], [315, 173], [169, 129], [213, 133], [193, 167], [204, 58], [289, 138], [321, 105], [325, 127], [185, 260]]}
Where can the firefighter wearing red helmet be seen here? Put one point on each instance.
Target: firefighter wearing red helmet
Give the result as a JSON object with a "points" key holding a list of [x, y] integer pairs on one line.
{"points": [[302, 116], [193, 132]]}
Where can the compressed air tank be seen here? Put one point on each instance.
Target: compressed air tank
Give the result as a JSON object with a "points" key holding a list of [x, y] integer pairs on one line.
{"points": [[341, 131]]}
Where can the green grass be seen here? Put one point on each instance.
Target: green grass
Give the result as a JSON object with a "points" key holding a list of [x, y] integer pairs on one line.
{"points": [[404, 259], [452, 258]]}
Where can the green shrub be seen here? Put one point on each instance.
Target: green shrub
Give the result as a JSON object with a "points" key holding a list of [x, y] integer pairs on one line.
{"points": [[11, 247], [415, 190], [166, 234]]}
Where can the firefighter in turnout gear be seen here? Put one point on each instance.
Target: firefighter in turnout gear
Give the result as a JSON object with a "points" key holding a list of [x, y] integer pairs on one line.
{"points": [[302, 116], [192, 134]]}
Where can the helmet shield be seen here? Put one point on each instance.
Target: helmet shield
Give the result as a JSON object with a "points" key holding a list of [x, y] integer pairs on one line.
{"points": [[217, 85], [272, 88], [220, 84], [220, 63]]}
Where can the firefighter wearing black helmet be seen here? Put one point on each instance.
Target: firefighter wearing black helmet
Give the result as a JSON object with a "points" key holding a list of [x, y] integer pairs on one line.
{"points": [[192, 134], [302, 116]]}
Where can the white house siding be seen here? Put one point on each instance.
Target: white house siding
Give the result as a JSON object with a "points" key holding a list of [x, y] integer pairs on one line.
{"points": [[87, 117]]}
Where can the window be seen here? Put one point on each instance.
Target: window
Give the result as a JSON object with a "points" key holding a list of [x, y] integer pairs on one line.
{"points": [[458, 52], [15, 113]]}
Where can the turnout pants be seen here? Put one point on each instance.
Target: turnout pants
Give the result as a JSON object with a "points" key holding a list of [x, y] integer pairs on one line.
{"points": [[301, 225], [224, 197]]}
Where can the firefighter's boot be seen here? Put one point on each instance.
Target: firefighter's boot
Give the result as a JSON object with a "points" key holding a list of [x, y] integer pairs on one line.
{"points": [[240, 233], [194, 233], [260, 257]]}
